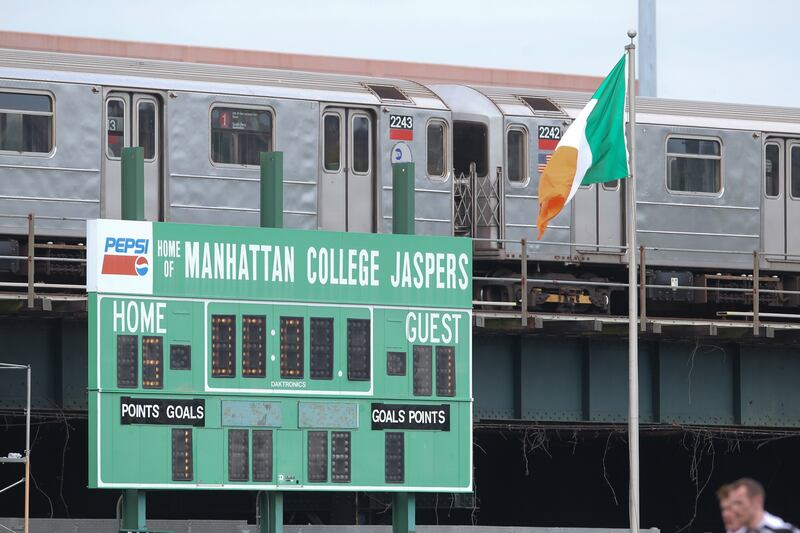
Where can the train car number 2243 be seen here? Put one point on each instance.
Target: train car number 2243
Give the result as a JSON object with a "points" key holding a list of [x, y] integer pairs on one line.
{"points": [[401, 122]]}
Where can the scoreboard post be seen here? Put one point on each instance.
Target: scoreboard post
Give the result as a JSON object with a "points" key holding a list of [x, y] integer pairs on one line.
{"points": [[240, 358]]}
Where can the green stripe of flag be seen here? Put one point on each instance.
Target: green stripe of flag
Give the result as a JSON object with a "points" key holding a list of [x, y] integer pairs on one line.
{"points": [[605, 130]]}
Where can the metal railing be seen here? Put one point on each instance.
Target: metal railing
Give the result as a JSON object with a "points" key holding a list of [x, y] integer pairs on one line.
{"points": [[30, 259], [34, 289], [477, 205], [752, 277]]}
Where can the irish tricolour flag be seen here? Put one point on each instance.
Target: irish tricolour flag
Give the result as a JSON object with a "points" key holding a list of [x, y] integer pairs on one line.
{"points": [[593, 149]]}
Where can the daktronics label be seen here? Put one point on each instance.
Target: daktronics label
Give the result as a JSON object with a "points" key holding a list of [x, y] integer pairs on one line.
{"points": [[123, 256], [122, 252]]}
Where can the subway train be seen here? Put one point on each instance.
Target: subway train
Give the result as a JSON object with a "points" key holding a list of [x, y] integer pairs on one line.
{"points": [[718, 185]]}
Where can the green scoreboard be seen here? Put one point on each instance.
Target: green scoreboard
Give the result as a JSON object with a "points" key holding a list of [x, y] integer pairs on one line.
{"points": [[275, 359]]}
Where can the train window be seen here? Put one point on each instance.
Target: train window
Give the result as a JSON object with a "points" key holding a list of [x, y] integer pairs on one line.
{"points": [[361, 144], [470, 145], [26, 123], [147, 128], [772, 170], [436, 149], [238, 135], [517, 155], [794, 169], [115, 127], [332, 142], [694, 165]]}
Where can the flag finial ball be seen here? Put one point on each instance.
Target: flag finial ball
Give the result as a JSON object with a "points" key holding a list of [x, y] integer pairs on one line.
{"points": [[631, 33]]}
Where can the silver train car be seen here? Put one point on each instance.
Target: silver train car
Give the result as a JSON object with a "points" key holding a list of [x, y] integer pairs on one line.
{"points": [[716, 182]]}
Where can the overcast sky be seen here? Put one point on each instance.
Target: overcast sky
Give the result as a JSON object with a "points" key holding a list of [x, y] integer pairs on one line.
{"points": [[721, 50]]}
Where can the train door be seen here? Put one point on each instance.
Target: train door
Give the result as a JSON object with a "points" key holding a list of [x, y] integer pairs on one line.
{"points": [[597, 218], [609, 216], [347, 186], [773, 223], [132, 119], [780, 213], [792, 165], [584, 218]]}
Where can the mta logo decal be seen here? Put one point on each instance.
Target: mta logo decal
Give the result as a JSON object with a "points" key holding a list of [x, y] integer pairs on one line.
{"points": [[124, 256]]}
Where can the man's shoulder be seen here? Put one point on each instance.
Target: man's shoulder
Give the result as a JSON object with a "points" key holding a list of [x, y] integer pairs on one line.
{"points": [[777, 524]]}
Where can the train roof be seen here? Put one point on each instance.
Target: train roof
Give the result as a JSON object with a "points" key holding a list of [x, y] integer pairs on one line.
{"points": [[512, 101], [178, 75], [367, 90]]}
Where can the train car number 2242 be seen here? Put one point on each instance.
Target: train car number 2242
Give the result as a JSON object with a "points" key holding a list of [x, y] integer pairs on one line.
{"points": [[550, 132]]}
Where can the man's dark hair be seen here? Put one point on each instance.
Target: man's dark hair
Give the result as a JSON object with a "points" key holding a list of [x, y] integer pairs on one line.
{"points": [[724, 491], [753, 487]]}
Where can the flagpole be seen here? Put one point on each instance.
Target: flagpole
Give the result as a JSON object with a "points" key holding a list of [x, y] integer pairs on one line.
{"points": [[633, 330]]}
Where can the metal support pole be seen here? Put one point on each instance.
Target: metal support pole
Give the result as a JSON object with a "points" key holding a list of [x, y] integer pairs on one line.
{"points": [[524, 282], [404, 512], [26, 516], [134, 502], [648, 72], [403, 207], [633, 331], [133, 183], [270, 512], [134, 510], [756, 295], [642, 291], [271, 189], [404, 509], [31, 265]]}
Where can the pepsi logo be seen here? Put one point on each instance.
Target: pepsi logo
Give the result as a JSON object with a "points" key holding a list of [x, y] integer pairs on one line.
{"points": [[142, 266]]}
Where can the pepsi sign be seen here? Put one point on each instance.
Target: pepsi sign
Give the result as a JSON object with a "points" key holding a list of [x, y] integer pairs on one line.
{"points": [[124, 256]]}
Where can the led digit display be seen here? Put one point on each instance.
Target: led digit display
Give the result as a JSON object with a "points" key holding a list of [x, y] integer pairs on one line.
{"points": [[396, 363], [358, 349], [445, 371], [182, 468], [292, 347], [254, 346], [238, 451], [223, 346], [340, 456], [395, 457], [321, 348], [423, 374], [127, 361], [317, 456], [180, 357], [152, 362], [262, 455]]}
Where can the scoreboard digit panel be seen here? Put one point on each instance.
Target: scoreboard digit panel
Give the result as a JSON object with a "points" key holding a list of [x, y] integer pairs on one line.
{"points": [[347, 386]]}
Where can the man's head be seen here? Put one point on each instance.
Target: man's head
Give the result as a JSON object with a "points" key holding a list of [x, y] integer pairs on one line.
{"points": [[729, 517], [747, 501]]}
